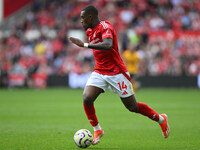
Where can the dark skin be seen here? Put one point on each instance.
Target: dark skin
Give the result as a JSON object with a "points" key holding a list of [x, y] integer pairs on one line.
{"points": [[91, 92]]}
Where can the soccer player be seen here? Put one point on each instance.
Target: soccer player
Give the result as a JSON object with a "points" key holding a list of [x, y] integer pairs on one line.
{"points": [[109, 71]]}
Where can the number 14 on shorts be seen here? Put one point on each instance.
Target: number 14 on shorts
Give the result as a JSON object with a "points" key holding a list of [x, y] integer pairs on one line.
{"points": [[122, 85]]}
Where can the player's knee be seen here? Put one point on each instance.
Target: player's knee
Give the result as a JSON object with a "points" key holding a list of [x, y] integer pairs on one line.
{"points": [[132, 108], [87, 99]]}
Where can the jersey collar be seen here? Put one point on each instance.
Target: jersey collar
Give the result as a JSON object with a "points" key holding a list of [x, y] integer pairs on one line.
{"points": [[96, 26], [89, 31]]}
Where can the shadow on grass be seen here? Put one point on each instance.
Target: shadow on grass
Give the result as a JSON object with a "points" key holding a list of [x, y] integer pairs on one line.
{"points": [[104, 148]]}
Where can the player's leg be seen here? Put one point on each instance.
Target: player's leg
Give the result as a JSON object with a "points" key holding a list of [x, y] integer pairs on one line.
{"points": [[94, 87], [89, 96], [122, 85], [142, 108], [133, 106]]}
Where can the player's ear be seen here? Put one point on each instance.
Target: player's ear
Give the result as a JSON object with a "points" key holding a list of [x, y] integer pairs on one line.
{"points": [[91, 17]]}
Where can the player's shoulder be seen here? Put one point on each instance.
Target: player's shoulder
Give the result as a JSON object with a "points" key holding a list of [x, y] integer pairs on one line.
{"points": [[105, 24]]}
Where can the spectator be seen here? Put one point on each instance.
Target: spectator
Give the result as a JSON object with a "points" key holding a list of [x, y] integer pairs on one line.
{"points": [[167, 32]]}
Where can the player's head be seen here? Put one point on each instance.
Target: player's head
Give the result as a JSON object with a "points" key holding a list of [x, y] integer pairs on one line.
{"points": [[89, 15]]}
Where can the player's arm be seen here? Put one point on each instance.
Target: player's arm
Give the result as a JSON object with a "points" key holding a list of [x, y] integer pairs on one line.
{"points": [[105, 45]]}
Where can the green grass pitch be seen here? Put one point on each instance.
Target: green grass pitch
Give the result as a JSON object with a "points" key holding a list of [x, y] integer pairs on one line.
{"points": [[47, 120]]}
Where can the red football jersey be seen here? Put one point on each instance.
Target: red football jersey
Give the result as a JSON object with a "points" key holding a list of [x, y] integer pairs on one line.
{"points": [[107, 62]]}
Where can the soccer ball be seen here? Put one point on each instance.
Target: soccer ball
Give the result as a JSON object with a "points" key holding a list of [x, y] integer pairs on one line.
{"points": [[83, 138]]}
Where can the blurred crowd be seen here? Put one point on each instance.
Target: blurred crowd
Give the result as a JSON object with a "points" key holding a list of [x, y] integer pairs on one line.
{"points": [[35, 44]]}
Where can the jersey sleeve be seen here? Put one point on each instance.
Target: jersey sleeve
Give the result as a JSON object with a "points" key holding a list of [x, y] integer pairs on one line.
{"points": [[106, 31]]}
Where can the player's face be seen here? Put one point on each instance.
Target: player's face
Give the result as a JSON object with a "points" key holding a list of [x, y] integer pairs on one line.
{"points": [[85, 20]]}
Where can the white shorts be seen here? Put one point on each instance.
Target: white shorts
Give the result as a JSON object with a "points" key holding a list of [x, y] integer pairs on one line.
{"points": [[118, 83]]}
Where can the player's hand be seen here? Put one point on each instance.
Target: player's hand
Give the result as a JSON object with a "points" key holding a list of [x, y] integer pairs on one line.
{"points": [[76, 41]]}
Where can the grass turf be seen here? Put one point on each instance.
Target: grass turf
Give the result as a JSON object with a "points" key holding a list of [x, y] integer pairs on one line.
{"points": [[47, 120]]}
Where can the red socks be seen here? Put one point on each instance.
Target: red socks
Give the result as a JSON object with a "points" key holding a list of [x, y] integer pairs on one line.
{"points": [[91, 115], [145, 110]]}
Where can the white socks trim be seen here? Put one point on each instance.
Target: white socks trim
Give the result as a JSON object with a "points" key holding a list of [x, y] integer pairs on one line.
{"points": [[161, 119], [97, 127]]}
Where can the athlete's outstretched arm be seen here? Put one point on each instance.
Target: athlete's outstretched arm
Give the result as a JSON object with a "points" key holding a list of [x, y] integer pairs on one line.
{"points": [[105, 45]]}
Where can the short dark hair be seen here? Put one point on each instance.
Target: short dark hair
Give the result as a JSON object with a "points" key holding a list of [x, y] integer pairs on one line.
{"points": [[90, 10]]}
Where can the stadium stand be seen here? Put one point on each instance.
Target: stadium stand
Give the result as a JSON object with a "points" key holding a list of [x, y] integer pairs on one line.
{"points": [[166, 33]]}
